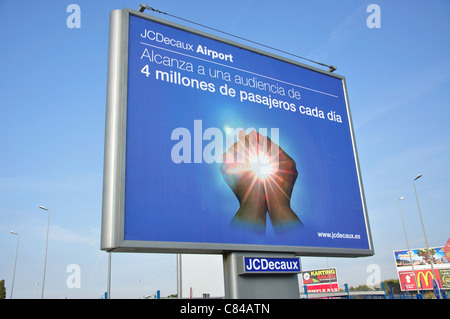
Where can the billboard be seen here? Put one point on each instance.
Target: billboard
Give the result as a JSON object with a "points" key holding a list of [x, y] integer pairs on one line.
{"points": [[320, 280], [214, 146], [422, 268]]}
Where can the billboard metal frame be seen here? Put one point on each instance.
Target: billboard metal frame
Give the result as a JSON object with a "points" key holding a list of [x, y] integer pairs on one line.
{"points": [[113, 210]]}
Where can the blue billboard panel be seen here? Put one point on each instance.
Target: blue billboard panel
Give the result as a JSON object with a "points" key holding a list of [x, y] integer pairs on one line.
{"points": [[228, 147]]}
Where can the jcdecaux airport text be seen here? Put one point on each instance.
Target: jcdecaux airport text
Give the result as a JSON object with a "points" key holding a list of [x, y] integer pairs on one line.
{"points": [[158, 37], [181, 64]]}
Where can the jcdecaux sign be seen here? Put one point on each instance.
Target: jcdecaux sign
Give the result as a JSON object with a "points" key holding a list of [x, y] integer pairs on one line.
{"points": [[213, 146], [255, 265]]}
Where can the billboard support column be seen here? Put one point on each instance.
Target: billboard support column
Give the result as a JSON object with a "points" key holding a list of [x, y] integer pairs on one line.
{"points": [[179, 278], [251, 275]]}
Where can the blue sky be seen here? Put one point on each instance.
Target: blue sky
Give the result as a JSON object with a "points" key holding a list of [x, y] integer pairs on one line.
{"points": [[52, 114]]}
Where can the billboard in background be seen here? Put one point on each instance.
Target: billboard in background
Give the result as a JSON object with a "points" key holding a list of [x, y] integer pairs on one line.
{"points": [[214, 146], [320, 280], [447, 250], [422, 268]]}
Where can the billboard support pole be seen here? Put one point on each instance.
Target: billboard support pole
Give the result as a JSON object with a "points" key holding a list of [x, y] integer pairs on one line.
{"points": [[240, 284], [179, 277], [108, 287]]}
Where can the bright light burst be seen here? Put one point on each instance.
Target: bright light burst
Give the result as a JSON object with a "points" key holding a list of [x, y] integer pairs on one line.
{"points": [[262, 166]]}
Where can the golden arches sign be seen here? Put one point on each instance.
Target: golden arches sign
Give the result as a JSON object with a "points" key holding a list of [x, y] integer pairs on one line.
{"points": [[424, 277]]}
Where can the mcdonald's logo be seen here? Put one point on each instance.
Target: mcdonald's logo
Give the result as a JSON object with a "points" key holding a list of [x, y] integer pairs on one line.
{"points": [[424, 275]]}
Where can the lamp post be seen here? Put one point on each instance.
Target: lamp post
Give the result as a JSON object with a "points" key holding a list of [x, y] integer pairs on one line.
{"points": [[46, 245], [407, 244], [15, 262], [423, 228]]}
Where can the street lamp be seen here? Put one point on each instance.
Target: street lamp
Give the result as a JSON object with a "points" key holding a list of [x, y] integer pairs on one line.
{"points": [[407, 244], [423, 228], [15, 262], [46, 245]]}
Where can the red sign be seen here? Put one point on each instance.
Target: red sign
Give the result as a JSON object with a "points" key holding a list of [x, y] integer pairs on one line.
{"points": [[323, 287], [424, 279], [407, 281]]}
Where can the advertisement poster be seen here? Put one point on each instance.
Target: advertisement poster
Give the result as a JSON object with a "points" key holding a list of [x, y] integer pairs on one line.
{"points": [[447, 250], [320, 280], [422, 268], [226, 146]]}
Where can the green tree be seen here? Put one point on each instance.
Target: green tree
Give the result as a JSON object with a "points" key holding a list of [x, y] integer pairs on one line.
{"points": [[2, 289], [361, 288], [393, 284]]}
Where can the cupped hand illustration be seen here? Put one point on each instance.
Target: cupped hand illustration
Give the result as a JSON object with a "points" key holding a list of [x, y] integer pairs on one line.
{"points": [[278, 188], [241, 179], [262, 177]]}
